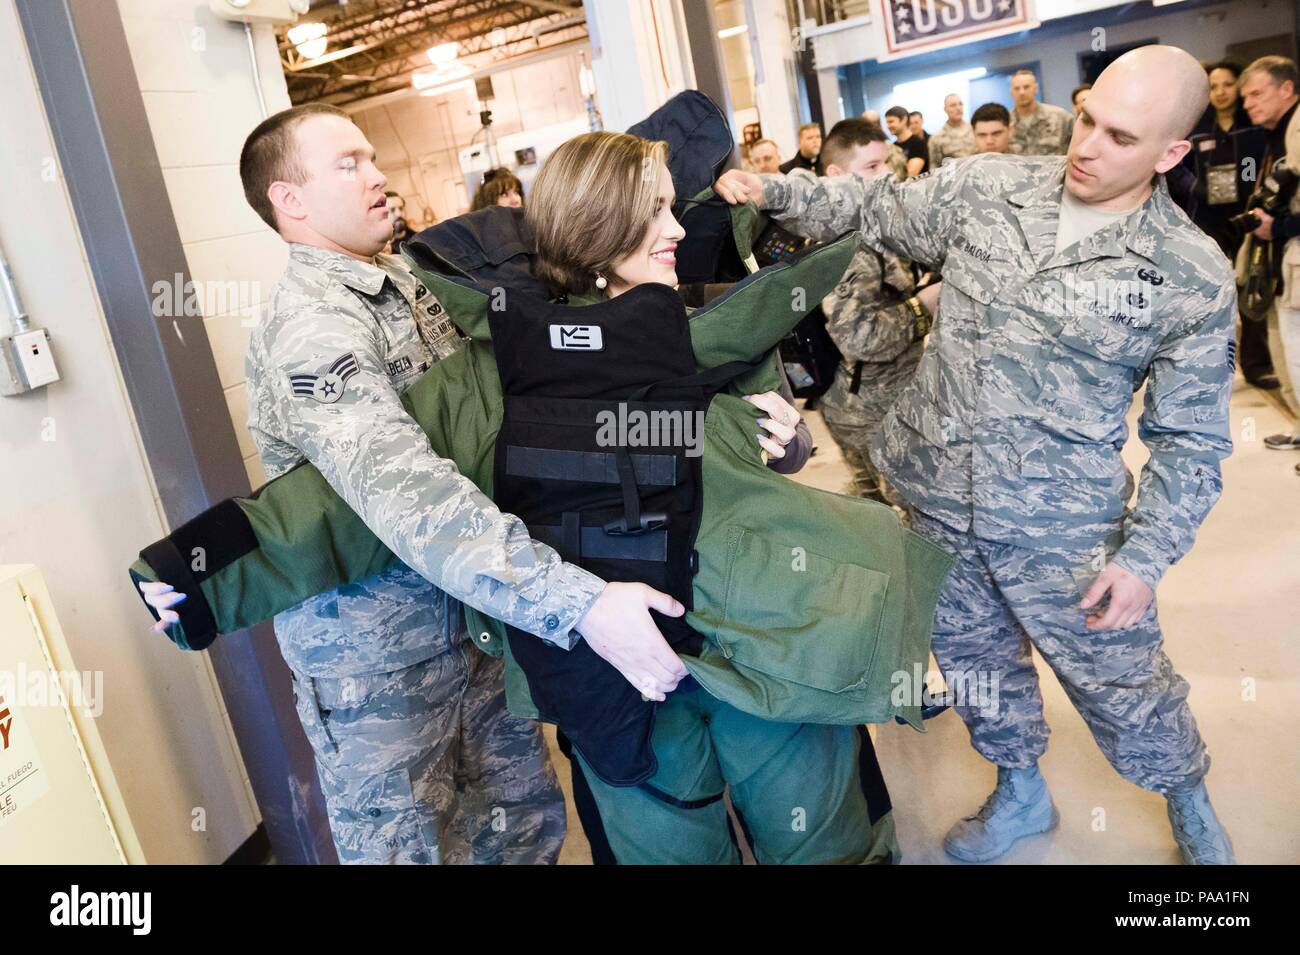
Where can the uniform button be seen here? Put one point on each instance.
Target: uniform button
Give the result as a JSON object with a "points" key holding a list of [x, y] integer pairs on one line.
{"points": [[551, 621], [485, 637], [375, 813]]}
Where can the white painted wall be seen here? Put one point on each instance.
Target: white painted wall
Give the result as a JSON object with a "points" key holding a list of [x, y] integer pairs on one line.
{"points": [[639, 57], [776, 88], [735, 49], [417, 138], [79, 502]]}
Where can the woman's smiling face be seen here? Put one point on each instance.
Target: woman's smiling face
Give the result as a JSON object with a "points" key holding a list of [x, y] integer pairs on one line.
{"points": [[655, 259]]}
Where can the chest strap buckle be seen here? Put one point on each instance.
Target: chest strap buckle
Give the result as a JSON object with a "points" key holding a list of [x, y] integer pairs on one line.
{"points": [[649, 522]]}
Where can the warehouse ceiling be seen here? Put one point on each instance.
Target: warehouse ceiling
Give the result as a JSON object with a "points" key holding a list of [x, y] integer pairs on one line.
{"points": [[374, 47]]}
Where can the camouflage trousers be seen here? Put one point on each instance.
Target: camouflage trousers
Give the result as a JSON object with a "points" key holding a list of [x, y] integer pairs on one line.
{"points": [[804, 793], [424, 765], [998, 602], [849, 435], [854, 419]]}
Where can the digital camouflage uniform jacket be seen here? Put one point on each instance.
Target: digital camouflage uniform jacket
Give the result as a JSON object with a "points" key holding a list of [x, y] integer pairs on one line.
{"points": [[868, 318], [1046, 133], [951, 142]]}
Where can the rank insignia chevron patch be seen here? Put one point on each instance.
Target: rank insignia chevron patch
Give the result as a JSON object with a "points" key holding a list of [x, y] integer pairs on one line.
{"points": [[328, 387]]}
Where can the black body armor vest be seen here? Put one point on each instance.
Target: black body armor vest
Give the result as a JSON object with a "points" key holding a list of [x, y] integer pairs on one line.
{"points": [[599, 454]]}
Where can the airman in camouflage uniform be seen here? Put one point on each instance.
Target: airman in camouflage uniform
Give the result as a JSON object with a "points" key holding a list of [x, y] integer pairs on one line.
{"points": [[1006, 445], [952, 142], [876, 332], [1044, 132], [897, 160], [868, 318], [418, 758]]}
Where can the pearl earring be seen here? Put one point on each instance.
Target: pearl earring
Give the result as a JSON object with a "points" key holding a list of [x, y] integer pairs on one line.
{"points": [[601, 281]]}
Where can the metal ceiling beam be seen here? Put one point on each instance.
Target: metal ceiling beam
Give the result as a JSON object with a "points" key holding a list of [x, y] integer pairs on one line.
{"points": [[553, 7], [413, 41], [547, 53], [519, 24]]}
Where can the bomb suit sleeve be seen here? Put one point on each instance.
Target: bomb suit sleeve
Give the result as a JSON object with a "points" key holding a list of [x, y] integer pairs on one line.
{"points": [[341, 411], [355, 506]]}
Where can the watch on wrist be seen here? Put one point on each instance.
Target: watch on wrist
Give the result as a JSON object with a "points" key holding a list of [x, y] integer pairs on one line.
{"points": [[922, 315]]}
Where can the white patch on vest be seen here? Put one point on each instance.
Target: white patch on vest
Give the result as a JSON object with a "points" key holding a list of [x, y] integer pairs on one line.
{"points": [[576, 338]]}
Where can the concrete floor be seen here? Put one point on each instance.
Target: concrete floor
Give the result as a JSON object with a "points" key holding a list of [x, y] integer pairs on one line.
{"points": [[1229, 616]]}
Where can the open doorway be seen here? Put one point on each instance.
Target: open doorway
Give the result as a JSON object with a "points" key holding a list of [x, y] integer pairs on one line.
{"points": [[449, 94]]}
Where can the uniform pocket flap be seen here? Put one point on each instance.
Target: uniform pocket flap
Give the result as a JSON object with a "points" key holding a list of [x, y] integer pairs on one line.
{"points": [[924, 419]]}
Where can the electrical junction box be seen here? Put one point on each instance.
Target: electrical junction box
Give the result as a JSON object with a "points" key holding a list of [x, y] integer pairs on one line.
{"points": [[277, 12], [26, 362]]}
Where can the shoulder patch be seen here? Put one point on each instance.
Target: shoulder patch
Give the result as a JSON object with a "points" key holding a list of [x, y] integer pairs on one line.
{"points": [[328, 386]]}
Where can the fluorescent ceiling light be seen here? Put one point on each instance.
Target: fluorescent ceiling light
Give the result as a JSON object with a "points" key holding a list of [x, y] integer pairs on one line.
{"points": [[447, 88], [431, 78], [732, 31], [309, 39], [443, 53]]}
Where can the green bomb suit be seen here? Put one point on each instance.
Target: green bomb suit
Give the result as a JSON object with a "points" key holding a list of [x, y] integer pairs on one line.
{"points": [[806, 624]]}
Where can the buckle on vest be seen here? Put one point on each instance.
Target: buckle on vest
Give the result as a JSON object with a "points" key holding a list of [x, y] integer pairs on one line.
{"points": [[649, 522]]}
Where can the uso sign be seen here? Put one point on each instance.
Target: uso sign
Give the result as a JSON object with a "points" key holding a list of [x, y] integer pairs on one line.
{"points": [[919, 26]]}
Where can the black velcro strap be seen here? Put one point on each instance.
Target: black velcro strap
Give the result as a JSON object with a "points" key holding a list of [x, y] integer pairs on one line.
{"points": [[631, 491], [590, 467], [710, 379], [194, 552], [856, 383], [873, 781], [679, 803], [215, 539], [652, 545], [195, 615]]}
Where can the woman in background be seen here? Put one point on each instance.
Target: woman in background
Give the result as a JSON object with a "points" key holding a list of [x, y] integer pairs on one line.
{"points": [[1218, 199], [500, 187]]}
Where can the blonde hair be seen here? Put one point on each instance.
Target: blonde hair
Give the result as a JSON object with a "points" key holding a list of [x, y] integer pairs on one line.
{"points": [[592, 202]]}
